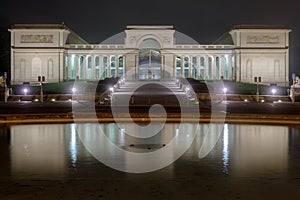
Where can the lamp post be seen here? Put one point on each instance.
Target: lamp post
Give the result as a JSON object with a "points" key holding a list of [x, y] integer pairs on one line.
{"points": [[224, 91], [292, 91], [25, 91], [257, 79], [5, 87], [41, 79], [273, 91]]}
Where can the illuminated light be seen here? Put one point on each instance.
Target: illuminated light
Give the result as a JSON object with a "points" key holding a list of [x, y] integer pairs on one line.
{"points": [[74, 90], [279, 100], [225, 90], [273, 91], [25, 91], [70, 100], [72, 146], [226, 148], [36, 100], [262, 101], [53, 99], [245, 100], [111, 89]]}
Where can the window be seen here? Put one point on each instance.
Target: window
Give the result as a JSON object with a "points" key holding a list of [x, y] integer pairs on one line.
{"points": [[202, 68], [113, 66], [121, 66], [105, 71], [194, 68], [186, 67], [97, 67], [178, 67]]}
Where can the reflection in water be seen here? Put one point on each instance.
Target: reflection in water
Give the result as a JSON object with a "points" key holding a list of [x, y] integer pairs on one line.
{"points": [[37, 149], [225, 149], [73, 145], [244, 150], [258, 150]]}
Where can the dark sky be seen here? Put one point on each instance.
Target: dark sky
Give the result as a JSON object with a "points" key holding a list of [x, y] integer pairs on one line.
{"points": [[204, 21]]}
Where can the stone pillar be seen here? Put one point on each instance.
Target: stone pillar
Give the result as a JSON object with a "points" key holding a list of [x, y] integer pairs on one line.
{"points": [[214, 66], [237, 70], [129, 68], [206, 67], [190, 66], [93, 67], [100, 67], [137, 68], [162, 66], [117, 65], [69, 67], [230, 67], [222, 66], [84, 67], [76, 63], [182, 66], [198, 68]]}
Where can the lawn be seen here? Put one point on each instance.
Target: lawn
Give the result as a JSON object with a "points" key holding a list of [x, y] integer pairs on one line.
{"points": [[86, 86]]}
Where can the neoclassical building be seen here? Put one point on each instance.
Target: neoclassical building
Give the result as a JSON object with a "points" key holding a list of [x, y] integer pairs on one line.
{"points": [[149, 53]]}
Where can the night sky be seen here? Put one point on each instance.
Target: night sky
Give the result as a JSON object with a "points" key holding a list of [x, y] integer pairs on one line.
{"points": [[204, 21]]}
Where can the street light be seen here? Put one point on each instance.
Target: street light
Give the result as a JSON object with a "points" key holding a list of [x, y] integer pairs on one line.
{"points": [[74, 90], [273, 91], [224, 91], [257, 79], [111, 89], [25, 91], [41, 79]]}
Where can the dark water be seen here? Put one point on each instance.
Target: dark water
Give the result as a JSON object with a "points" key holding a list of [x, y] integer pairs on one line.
{"points": [[69, 161]]}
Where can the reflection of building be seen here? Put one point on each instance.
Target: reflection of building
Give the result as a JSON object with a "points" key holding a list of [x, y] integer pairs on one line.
{"points": [[38, 150], [257, 150], [149, 52]]}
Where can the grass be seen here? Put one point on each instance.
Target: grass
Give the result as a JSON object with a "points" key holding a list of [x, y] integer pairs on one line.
{"points": [[86, 86], [49, 88], [251, 88]]}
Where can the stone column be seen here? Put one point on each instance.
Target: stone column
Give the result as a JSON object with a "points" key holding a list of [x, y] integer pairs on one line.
{"points": [[182, 66], [198, 67], [61, 66], [162, 66], [69, 67], [84, 67], [137, 68], [117, 65], [100, 67], [214, 66], [206, 67], [76, 63], [222, 66], [93, 67], [230, 68], [190, 66]]}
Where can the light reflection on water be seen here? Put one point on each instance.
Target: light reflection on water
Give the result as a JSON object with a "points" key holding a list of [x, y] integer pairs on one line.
{"points": [[243, 150]]}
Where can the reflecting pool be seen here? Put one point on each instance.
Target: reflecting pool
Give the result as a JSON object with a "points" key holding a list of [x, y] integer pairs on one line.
{"points": [[65, 161]]}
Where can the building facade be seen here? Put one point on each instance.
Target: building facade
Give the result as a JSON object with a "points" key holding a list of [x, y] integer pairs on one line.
{"points": [[149, 53]]}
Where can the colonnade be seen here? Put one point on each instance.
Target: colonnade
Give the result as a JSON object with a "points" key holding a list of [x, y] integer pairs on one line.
{"points": [[93, 67], [201, 67], [205, 67]]}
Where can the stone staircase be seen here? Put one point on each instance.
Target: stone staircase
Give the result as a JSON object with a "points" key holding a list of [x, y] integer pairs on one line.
{"points": [[146, 93]]}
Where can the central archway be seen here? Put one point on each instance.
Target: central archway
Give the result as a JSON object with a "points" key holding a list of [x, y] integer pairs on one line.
{"points": [[150, 60]]}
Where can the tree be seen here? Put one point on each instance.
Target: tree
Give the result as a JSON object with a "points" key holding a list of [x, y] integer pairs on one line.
{"points": [[4, 50]]}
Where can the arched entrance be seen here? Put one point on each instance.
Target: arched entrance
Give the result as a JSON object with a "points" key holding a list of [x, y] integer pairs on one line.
{"points": [[149, 60]]}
